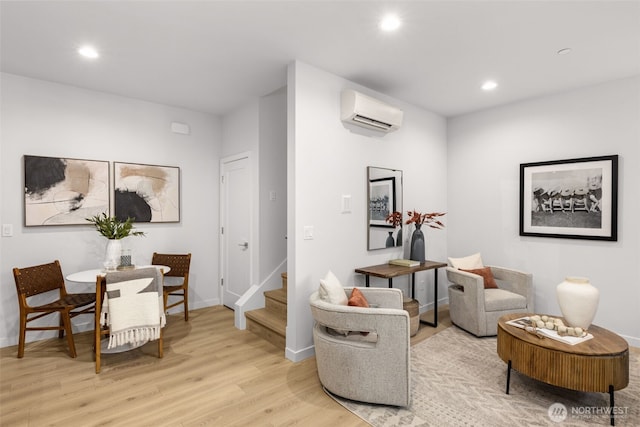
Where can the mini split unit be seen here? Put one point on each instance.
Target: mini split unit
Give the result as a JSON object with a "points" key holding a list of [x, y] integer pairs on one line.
{"points": [[362, 110]]}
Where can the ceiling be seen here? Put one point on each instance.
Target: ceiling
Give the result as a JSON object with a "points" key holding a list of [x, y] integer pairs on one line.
{"points": [[214, 56]]}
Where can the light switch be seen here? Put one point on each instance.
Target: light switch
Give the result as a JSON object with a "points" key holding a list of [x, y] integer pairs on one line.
{"points": [[308, 232], [7, 230], [346, 203]]}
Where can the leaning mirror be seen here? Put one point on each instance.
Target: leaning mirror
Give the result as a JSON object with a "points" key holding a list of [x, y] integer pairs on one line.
{"points": [[384, 196]]}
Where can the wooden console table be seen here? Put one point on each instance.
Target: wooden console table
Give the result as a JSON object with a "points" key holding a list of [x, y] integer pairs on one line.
{"points": [[389, 271], [600, 364]]}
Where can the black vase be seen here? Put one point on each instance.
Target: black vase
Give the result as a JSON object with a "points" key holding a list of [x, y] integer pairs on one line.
{"points": [[399, 238], [417, 245], [390, 242]]}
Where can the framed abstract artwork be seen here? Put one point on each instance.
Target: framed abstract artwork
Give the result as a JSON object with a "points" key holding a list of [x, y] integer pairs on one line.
{"points": [[63, 191], [575, 198], [146, 193]]}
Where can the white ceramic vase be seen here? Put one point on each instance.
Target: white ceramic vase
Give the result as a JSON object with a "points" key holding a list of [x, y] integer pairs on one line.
{"points": [[112, 255], [578, 300]]}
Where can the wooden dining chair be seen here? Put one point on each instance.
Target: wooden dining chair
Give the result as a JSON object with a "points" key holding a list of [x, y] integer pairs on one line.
{"points": [[179, 265], [133, 314], [42, 279]]}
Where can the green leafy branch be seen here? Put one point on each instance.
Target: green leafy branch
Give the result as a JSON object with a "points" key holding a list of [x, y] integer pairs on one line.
{"points": [[113, 228]]}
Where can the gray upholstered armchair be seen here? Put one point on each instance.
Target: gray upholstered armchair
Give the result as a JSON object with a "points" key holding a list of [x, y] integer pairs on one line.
{"points": [[372, 368], [476, 309]]}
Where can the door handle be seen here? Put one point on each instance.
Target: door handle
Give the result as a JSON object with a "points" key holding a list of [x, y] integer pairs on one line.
{"points": [[244, 245]]}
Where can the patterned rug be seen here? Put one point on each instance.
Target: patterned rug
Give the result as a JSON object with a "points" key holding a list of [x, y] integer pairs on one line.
{"points": [[459, 380]]}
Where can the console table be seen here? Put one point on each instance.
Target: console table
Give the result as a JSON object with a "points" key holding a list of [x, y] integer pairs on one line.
{"points": [[389, 271]]}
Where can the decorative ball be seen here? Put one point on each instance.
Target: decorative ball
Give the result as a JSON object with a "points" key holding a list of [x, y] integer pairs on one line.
{"points": [[549, 325]]}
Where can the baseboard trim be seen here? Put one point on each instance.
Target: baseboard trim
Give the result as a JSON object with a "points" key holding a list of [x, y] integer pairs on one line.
{"points": [[298, 356]]}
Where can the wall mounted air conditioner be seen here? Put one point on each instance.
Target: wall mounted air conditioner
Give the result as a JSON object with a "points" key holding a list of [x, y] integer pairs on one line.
{"points": [[362, 110]]}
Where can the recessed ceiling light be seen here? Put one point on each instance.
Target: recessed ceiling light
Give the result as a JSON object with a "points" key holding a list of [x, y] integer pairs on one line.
{"points": [[489, 85], [565, 51], [390, 23], [88, 52]]}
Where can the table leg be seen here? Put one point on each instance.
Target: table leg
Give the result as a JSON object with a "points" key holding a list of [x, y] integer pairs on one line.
{"points": [[435, 302], [366, 280], [435, 297], [390, 282], [413, 284], [611, 406], [508, 375]]}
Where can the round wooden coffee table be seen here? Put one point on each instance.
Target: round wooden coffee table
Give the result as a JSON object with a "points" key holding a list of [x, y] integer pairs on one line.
{"points": [[600, 364]]}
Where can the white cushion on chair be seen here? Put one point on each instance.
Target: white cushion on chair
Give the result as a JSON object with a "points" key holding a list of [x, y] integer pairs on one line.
{"points": [[331, 290], [470, 262]]}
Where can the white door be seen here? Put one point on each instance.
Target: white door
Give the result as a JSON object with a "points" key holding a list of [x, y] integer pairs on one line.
{"points": [[236, 217]]}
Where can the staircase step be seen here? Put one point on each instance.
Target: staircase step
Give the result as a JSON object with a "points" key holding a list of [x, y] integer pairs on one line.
{"points": [[276, 302], [277, 294], [270, 322], [267, 325]]}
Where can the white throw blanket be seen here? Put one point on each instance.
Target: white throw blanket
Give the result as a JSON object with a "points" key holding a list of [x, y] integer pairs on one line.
{"points": [[134, 306]]}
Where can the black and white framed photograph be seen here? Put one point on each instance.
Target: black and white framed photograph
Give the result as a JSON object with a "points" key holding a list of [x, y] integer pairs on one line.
{"points": [[146, 193], [64, 191], [382, 201], [574, 198]]}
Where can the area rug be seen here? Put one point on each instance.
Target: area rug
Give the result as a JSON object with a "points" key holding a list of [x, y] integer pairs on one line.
{"points": [[459, 380]]}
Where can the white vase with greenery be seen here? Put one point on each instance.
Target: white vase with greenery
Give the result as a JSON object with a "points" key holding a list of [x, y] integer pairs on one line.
{"points": [[114, 230]]}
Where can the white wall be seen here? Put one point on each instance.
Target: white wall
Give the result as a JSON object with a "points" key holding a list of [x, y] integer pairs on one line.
{"points": [[47, 119], [325, 161], [485, 151], [240, 130], [273, 180]]}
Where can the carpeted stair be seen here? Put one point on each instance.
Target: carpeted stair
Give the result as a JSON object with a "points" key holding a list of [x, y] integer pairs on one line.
{"points": [[270, 322]]}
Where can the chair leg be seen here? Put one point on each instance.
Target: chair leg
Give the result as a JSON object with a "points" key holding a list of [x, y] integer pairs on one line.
{"points": [[97, 357], [66, 319], [62, 327], [161, 345], [165, 299], [185, 302], [96, 338], [96, 349], [186, 305], [23, 332]]}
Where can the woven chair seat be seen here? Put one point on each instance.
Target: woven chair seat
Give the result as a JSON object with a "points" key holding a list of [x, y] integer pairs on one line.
{"points": [[79, 300], [70, 300]]}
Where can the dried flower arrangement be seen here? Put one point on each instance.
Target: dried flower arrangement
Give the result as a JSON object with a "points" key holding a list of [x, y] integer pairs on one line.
{"points": [[430, 219], [394, 218]]}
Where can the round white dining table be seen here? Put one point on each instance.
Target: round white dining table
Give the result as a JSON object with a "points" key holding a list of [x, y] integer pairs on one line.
{"points": [[90, 276]]}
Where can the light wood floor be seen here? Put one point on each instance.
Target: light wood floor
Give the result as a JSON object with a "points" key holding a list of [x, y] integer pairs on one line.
{"points": [[211, 374]]}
